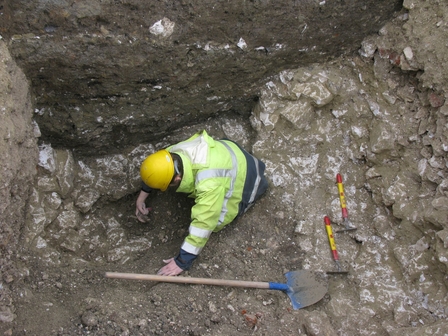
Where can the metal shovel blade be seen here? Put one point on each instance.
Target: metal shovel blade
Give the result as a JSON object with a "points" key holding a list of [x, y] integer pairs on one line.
{"points": [[305, 288]]}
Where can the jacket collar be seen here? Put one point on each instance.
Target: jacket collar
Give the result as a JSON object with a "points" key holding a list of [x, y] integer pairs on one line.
{"points": [[187, 183]]}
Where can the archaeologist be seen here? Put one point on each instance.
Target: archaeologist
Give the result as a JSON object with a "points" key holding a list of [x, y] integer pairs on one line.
{"points": [[223, 178]]}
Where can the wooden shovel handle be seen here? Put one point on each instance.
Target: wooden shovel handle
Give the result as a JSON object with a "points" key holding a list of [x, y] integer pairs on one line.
{"points": [[187, 280]]}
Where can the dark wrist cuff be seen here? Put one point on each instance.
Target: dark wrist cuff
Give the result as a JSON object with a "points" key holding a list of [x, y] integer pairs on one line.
{"points": [[145, 188], [184, 260]]}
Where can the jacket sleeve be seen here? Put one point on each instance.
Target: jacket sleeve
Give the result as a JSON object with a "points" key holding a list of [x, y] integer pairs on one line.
{"points": [[205, 215], [146, 189]]}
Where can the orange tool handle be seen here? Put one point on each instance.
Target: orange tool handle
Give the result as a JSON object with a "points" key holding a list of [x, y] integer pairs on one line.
{"points": [[331, 238], [342, 196]]}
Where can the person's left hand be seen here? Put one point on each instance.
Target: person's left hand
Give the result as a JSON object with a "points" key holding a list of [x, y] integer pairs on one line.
{"points": [[170, 268]]}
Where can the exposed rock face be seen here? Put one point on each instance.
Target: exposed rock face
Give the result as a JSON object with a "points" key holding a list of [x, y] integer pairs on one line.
{"points": [[397, 257], [18, 138], [18, 152], [112, 73]]}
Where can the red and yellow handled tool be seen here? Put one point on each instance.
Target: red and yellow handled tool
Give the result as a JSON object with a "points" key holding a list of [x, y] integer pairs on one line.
{"points": [[348, 225], [332, 245]]}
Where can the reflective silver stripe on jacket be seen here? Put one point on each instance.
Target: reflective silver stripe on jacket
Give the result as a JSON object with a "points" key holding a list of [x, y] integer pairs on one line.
{"points": [[257, 182], [190, 248], [213, 173], [201, 233]]}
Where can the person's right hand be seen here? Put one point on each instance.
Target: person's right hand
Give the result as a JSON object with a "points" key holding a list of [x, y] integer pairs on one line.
{"points": [[170, 268]]}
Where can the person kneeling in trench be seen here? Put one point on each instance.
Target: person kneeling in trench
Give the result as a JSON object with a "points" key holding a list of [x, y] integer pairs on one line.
{"points": [[224, 179]]}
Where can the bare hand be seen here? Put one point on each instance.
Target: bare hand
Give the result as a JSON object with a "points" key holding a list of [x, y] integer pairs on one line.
{"points": [[170, 268], [142, 213], [141, 207]]}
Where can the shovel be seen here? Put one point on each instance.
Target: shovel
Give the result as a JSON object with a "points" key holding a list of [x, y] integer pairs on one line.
{"points": [[303, 287], [334, 252], [348, 225]]}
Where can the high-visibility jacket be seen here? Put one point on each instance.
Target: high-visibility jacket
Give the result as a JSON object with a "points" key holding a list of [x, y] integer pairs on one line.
{"points": [[224, 179]]}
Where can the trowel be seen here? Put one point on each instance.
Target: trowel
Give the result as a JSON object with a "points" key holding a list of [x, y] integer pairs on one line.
{"points": [[348, 225], [334, 252]]}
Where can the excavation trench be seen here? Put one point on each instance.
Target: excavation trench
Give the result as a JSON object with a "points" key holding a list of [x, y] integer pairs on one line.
{"points": [[377, 117]]}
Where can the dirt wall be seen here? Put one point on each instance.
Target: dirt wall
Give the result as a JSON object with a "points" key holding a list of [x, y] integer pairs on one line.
{"points": [[107, 74], [18, 150]]}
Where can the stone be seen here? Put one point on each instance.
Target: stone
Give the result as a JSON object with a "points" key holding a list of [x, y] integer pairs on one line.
{"points": [[163, 28], [383, 227], [36, 218], [48, 183], [444, 109], [52, 201], [442, 188], [87, 199], [212, 307], [73, 241], [428, 173], [6, 315], [391, 99], [69, 218], [299, 113], [382, 137], [403, 316], [413, 261], [113, 168], [314, 90], [442, 246], [117, 254], [89, 319], [440, 203], [437, 162], [443, 236], [436, 100], [64, 170], [116, 236], [139, 245], [368, 47], [436, 217], [408, 53], [407, 65], [303, 228], [409, 4], [318, 324], [46, 157]]}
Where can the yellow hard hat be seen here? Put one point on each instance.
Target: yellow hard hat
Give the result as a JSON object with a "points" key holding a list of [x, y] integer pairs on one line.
{"points": [[157, 170]]}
